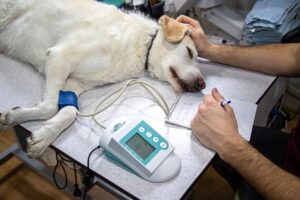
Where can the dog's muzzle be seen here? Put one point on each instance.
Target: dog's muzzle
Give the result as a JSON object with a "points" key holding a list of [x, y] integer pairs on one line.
{"points": [[196, 84]]}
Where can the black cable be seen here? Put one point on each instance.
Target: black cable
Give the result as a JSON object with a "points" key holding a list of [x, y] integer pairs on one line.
{"points": [[64, 159], [88, 160], [88, 176], [77, 191], [58, 162]]}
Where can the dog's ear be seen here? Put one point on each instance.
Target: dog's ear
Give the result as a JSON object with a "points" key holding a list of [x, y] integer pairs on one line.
{"points": [[174, 31]]}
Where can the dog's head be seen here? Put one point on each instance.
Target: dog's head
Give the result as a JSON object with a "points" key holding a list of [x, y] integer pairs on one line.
{"points": [[174, 57]]}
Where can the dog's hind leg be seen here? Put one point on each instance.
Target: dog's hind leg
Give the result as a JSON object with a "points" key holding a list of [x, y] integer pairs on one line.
{"points": [[57, 71], [46, 135]]}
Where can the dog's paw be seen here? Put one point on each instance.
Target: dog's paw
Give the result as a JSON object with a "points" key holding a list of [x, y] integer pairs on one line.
{"points": [[7, 120], [38, 142], [4, 121], [49, 157]]}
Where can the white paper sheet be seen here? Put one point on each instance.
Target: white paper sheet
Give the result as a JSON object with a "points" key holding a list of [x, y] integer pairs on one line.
{"points": [[185, 108]]}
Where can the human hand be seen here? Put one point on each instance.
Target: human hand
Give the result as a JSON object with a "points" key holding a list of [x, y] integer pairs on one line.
{"points": [[197, 34], [215, 126]]}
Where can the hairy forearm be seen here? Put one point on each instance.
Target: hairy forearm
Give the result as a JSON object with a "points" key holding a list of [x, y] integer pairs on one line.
{"points": [[276, 59], [267, 178]]}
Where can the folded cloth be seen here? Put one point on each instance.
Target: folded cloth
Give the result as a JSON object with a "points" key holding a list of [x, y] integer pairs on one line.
{"points": [[274, 11], [268, 21]]}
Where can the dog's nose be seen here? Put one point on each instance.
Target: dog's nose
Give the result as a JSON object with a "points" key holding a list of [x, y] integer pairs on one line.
{"points": [[197, 85], [201, 84]]}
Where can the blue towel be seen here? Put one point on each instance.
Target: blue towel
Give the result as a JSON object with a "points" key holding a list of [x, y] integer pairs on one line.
{"points": [[273, 11], [269, 20]]}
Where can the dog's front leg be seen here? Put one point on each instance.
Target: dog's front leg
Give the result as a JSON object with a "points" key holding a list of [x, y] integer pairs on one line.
{"points": [[57, 71], [46, 135]]}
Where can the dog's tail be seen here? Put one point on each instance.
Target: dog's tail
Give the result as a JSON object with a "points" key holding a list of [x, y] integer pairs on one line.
{"points": [[12, 9]]}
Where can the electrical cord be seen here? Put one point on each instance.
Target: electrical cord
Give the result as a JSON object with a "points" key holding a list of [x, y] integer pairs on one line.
{"points": [[77, 191], [88, 176], [150, 89], [60, 162]]}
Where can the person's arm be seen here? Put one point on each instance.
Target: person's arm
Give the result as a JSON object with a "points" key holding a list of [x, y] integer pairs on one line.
{"points": [[276, 59], [267, 178], [216, 128]]}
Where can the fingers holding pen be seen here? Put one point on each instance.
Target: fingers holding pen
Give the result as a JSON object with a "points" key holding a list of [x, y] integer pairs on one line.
{"points": [[222, 101], [215, 93], [213, 124], [214, 103], [215, 99]]}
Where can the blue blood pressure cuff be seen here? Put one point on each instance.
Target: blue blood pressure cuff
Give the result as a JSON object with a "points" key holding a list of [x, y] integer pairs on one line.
{"points": [[67, 98]]}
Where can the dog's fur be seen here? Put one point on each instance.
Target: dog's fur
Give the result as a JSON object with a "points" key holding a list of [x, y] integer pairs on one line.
{"points": [[80, 44]]}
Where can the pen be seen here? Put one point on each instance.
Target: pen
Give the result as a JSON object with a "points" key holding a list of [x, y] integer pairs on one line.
{"points": [[224, 103]]}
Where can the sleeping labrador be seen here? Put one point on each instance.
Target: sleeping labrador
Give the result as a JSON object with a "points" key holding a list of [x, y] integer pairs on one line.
{"points": [[81, 44]]}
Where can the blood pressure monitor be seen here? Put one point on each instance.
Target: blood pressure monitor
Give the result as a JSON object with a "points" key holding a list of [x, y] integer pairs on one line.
{"points": [[142, 149]]}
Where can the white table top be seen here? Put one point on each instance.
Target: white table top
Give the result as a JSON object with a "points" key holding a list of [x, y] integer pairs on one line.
{"points": [[22, 86]]}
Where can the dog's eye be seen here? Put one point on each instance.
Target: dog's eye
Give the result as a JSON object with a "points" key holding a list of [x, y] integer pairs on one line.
{"points": [[190, 52]]}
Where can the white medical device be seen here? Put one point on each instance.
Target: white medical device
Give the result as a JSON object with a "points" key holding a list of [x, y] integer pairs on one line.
{"points": [[142, 149]]}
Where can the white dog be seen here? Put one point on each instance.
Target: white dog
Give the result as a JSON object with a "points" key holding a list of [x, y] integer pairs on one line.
{"points": [[80, 44]]}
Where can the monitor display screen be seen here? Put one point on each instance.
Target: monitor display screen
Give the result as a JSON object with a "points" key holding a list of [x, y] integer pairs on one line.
{"points": [[138, 144]]}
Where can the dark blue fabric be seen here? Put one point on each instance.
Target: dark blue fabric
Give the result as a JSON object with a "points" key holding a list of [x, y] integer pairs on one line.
{"points": [[67, 98]]}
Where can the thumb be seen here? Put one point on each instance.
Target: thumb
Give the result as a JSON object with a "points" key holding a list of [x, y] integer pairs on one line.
{"points": [[215, 93], [190, 28]]}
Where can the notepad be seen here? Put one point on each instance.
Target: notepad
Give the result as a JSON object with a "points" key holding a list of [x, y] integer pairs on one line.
{"points": [[186, 105]]}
